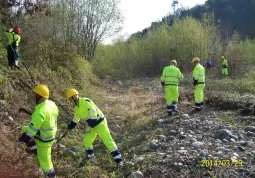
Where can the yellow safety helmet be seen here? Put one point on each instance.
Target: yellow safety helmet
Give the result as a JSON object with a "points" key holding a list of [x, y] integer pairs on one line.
{"points": [[222, 57], [195, 59], [174, 61], [71, 92], [42, 90]]}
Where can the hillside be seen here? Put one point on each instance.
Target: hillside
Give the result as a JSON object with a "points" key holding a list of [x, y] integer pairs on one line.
{"points": [[152, 144], [230, 15]]}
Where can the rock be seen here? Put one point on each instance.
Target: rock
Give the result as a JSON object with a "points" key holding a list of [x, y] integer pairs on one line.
{"points": [[182, 148], [225, 140], [161, 154], [171, 138], [69, 153], [244, 159], [249, 143], [75, 149], [223, 133], [232, 140], [235, 154], [153, 144], [116, 118], [240, 148], [137, 174], [160, 121], [250, 134], [250, 128], [185, 116], [218, 142], [203, 153], [165, 121], [140, 158], [173, 132], [146, 148], [182, 136], [223, 149], [198, 144], [3, 102], [243, 143], [59, 145], [129, 164], [10, 118], [180, 164], [183, 151], [161, 137], [194, 152], [120, 83]]}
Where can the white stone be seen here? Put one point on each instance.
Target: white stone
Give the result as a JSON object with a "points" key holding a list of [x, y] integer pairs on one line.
{"points": [[137, 174], [198, 144]]}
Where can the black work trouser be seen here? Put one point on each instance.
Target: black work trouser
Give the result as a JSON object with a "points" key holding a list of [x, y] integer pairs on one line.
{"points": [[11, 56]]}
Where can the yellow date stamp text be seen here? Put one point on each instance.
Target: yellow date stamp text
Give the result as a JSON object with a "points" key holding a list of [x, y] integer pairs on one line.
{"points": [[223, 163]]}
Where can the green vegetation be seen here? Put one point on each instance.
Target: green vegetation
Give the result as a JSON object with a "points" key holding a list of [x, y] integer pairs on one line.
{"points": [[65, 55]]}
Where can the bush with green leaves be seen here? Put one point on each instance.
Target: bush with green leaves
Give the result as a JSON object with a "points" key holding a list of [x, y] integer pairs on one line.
{"points": [[147, 56]]}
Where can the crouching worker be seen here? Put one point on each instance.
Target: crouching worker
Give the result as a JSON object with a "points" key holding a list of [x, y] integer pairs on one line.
{"points": [[40, 134], [86, 109]]}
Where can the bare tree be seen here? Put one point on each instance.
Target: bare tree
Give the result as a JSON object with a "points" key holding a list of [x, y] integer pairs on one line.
{"points": [[87, 22]]}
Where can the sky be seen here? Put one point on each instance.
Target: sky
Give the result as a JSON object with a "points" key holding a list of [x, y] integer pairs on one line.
{"points": [[139, 14]]}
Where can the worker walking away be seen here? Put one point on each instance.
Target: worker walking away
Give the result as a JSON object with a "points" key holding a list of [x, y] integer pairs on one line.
{"points": [[41, 130], [169, 80], [224, 65], [97, 125], [208, 64], [13, 47], [199, 83]]}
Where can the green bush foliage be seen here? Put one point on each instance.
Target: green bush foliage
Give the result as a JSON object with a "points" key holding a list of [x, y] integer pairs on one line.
{"points": [[186, 38]]}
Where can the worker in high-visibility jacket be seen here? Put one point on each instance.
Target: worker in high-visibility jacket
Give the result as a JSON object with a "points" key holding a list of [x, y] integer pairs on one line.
{"points": [[224, 65], [199, 83], [97, 125], [169, 80], [41, 130], [13, 47]]}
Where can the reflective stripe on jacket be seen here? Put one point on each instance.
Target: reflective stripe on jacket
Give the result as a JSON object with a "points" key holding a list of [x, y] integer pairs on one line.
{"points": [[13, 38], [44, 121], [86, 109], [224, 63], [199, 73], [171, 75]]}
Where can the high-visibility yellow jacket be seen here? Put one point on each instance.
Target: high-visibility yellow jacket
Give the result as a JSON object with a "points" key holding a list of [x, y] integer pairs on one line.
{"points": [[199, 74], [171, 75], [44, 121], [224, 63], [13, 39], [86, 109]]}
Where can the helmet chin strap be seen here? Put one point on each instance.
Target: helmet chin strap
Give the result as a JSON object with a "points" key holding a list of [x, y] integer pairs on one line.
{"points": [[75, 101], [37, 97]]}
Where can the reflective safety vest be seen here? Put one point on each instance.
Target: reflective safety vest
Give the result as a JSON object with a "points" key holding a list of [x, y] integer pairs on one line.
{"points": [[44, 121], [171, 75], [199, 74], [86, 109], [224, 63], [14, 39]]}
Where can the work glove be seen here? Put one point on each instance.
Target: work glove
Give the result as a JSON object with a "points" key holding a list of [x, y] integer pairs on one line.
{"points": [[71, 125], [16, 145], [163, 84]]}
